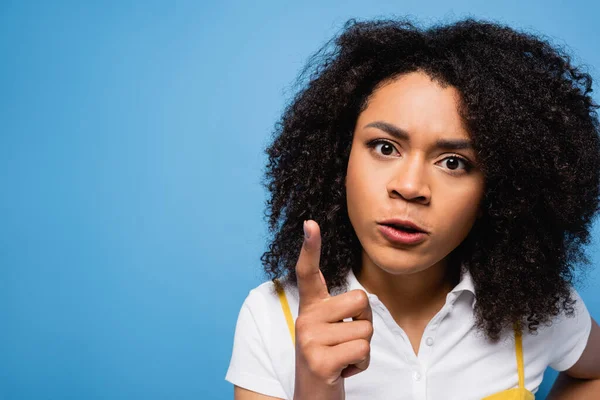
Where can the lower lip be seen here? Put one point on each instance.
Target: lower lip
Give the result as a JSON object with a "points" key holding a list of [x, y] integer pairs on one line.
{"points": [[401, 237]]}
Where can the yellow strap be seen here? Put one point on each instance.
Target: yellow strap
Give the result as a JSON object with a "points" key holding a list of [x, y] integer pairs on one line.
{"points": [[286, 311], [519, 348]]}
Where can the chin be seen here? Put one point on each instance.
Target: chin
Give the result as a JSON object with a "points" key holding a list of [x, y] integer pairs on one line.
{"points": [[399, 262]]}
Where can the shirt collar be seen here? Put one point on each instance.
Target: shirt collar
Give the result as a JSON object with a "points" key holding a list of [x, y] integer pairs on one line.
{"points": [[464, 285]]}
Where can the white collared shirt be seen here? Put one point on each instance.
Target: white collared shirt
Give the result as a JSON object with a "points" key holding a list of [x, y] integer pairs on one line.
{"points": [[455, 361]]}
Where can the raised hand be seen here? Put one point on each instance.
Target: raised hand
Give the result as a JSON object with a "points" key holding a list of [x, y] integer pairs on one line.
{"points": [[328, 350]]}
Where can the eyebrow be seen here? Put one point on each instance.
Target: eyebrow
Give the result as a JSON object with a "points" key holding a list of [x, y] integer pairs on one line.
{"points": [[401, 134]]}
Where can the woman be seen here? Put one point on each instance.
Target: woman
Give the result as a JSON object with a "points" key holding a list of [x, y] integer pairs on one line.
{"points": [[445, 180]]}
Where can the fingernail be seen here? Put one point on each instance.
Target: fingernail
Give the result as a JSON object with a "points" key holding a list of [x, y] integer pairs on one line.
{"points": [[306, 233]]}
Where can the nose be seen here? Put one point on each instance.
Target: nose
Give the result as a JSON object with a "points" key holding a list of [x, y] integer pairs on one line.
{"points": [[410, 181]]}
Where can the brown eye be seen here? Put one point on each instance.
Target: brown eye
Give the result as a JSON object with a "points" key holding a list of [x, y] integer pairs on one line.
{"points": [[383, 147], [455, 163], [387, 149], [452, 163]]}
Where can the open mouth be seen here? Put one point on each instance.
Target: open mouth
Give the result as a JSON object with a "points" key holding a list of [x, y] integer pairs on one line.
{"points": [[404, 228], [402, 234]]}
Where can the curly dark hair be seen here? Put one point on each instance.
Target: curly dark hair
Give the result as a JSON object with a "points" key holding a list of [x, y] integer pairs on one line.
{"points": [[535, 130]]}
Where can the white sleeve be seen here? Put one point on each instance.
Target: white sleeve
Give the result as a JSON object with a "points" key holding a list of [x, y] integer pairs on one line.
{"points": [[570, 335], [251, 366]]}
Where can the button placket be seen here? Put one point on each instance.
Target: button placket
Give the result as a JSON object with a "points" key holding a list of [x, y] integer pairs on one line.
{"points": [[419, 385], [429, 335], [427, 342]]}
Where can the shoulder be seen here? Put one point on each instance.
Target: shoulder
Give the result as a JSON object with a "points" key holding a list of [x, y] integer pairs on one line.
{"points": [[573, 321], [264, 304], [262, 349], [578, 311], [570, 331], [266, 296]]}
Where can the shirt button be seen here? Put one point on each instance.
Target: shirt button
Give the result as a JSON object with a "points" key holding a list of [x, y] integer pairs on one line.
{"points": [[429, 341], [417, 376]]}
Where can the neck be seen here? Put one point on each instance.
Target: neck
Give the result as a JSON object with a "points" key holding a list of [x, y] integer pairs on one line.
{"points": [[410, 297]]}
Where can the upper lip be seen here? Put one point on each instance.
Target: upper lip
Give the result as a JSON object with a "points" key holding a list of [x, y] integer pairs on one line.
{"points": [[403, 222]]}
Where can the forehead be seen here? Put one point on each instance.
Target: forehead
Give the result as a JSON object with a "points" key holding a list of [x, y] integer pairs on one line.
{"points": [[416, 103]]}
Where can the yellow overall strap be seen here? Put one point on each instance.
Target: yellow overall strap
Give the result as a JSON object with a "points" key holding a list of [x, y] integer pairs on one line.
{"points": [[519, 348], [286, 310]]}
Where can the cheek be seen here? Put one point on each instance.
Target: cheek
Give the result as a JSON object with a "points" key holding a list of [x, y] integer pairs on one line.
{"points": [[461, 210], [354, 189], [363, 175]]}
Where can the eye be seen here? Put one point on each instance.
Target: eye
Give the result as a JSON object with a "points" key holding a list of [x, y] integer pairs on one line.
{"points": [[456, 163], [383, 147]]}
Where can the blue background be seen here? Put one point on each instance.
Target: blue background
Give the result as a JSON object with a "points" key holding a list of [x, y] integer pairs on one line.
{"points": [[131, 156]]}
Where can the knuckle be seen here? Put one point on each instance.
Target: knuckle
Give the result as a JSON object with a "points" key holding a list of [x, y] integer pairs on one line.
{"points": [[327, 369], [306, 339], [306, 335], [311, 356], [302, 327], [319, 370], [363, 347], [317, 364], [360, 298], [302, 324], [301, 273], [367, 329]]}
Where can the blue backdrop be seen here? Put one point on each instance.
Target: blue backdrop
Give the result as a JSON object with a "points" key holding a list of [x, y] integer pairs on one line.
{"points": [[131, 156]]}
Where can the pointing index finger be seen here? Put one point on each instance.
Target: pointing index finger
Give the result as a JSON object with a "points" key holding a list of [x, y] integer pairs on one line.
{"points": [[311, 284]]}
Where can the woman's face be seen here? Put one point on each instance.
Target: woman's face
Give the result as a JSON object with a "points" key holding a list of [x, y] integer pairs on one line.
{"points": [[412, 160]]}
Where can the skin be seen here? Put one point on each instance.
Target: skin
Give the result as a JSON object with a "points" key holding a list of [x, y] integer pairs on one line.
{"points": [[411, 177]]}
